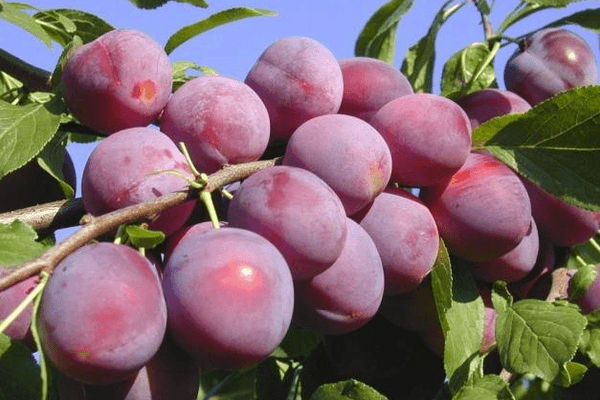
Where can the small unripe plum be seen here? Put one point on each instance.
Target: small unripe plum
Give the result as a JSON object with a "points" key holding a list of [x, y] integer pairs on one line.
{"points": [[370, 83], [120, 80], [550, 61], [429, 137], [297, 78], [590, 300], [220, 120], [486, 104]]}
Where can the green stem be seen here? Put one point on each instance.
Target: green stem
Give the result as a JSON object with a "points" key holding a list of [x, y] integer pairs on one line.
{"points": [[482, 66], [210, 207], [36, 336], [20, 308], [188, 159]]}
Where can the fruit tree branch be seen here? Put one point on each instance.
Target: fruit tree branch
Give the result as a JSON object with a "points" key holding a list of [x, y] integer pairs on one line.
{"points": [[33, 78]]}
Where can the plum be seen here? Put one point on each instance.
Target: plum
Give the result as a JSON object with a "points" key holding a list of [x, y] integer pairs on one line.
{"points": [[489, 103], [548, 62]]}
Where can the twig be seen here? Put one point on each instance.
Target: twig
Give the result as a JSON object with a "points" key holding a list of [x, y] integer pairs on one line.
{"points": [[33, 78], [96, 226]]}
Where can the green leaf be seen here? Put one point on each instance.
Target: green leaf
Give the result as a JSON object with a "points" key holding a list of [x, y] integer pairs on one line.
{"points": [[56, 79], [488, 129], [63, 24], [582, 280], [462, 66], [468, 373], [441, 281], [13, 13], [51, 160], [377, 38], [464, 320], [152, 4], [419, 60], [571, 373], [19, 373], [556, 145], [298, 342], [501, 298], [142, 237], [24, 131], [588, 19], [18, 244], [346, 390], [551, 3], [537, 337], [590, 340], [180, 75], [221, 18], [489, 387]]}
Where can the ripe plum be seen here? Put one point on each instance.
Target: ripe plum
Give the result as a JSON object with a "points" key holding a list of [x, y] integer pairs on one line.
{"points": [[229, 297], [120, 80], [103, 315], [346, 295], [429, 137], [486, 104], [369, 84], [297, 78], [347, 153], [550, 61], [297, 212], [221, 121]]}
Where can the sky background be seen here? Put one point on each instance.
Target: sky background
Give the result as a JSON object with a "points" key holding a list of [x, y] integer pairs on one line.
{"points": [[232, 49]]}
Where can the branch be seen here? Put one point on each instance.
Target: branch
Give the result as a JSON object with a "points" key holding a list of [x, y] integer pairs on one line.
{"points": [[48, 217], [96, 226], [33, 78]]}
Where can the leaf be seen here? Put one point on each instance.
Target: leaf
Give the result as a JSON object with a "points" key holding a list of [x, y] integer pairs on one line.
{"points": [[489, 128], [19, 373], [64, 24], [572, 373], [13, 13], [221, 18], [581, 281], [350, 389], [180, 75], [441, 281], [24, 131], [377, 38], [556, 145], [537, 337], [501, 298], [18, 244], [152, 4], [51, 159], [142, 237], [588, 19], [298, 342], [464, 320], [462, 66], [420, 58], [490, 387], [277, 380], [590, 340], [551, 3]]}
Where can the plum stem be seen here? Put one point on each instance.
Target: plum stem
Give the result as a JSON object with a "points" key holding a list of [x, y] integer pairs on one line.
{"points": [[95, 226], [188, 159], [21, 307], [36, 335]]}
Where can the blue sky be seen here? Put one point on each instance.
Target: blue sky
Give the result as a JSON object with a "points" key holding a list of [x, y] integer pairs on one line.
{"points": [[233, 49]]}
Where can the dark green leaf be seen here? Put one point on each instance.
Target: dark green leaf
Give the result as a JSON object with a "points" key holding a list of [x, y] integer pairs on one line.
{"points": [[517, 15], [588, 19], [298, 342], [13, 13], [556, 145], [346, 390], [489, 387], [142, 237], [537, 337], [468, 373], [63, 24], [581, 281], [420, 58], [458, 72], [441, 281], [24, 131], [501, 298], [152, 4], [75, 43], [488, 129], [221, 18], [551, 3], [464, 320], [18, 244], [377, 38], [590, 340], [19, 373], [484, 7], [51, 160], [180, 75]]}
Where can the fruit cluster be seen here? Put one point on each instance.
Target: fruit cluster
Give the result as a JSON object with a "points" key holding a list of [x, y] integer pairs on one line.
{"points": [[348, 224]]}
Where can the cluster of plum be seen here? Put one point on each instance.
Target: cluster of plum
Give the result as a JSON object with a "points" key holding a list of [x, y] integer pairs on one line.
{"points": [[326, 239]]}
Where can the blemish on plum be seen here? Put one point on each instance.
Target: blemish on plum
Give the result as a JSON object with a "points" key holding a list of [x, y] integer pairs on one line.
{"points": [[145, 91]]}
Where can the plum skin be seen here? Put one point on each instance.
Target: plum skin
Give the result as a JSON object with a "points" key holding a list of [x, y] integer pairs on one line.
{"points": [[120, 80], [548, 62], [486, 104], [103, 314], [221, 121]]}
